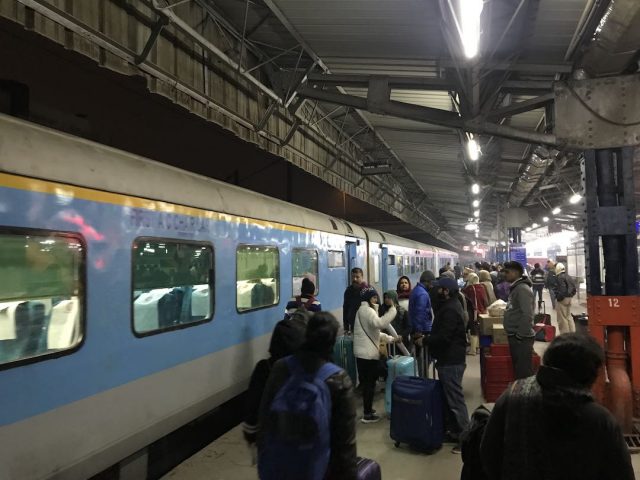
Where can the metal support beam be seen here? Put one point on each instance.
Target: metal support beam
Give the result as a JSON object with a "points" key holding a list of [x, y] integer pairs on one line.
{"points": [[162, 22], [265, 118], [521, 107], [431, 115], [356, 80]]}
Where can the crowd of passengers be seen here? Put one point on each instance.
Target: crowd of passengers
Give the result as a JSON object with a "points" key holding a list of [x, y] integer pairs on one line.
{"points": [[544, 426]]}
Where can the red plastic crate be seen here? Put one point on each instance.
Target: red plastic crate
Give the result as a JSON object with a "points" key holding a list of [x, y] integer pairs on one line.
{"points": [[494, 390], [498, 350]]}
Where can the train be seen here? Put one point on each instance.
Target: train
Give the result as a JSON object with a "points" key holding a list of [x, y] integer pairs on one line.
{"points": [[136, 297]]}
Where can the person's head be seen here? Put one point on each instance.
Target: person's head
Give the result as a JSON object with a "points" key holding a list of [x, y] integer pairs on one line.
{"points": [[391, 298], [427, 278], [404, 284], [288, 335], [369, 295], [560, 268], [513, 271], [447, 288], [448, 274], [465, 273], [537, 265], [472, 279], [448, 265], [484, 276], [578, 357], [357, 276], [321, 333], [501, 277], [307, 288]]}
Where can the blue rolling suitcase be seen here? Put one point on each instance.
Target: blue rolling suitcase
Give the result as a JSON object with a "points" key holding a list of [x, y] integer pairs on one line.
{"points": [[417, 417], [368, 469], [343, 356], [397, 366]]}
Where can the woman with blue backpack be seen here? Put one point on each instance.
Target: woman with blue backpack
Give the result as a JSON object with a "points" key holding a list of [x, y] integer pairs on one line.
{"points": [[307, 415]]}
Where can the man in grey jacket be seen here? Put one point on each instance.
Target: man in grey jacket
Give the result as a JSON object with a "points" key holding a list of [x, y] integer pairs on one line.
{"points": [[518, 320]]}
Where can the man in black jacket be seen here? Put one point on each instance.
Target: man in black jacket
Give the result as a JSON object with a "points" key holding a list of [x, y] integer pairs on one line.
{"points": [[448, 345], [322, 330], [351, 302]]}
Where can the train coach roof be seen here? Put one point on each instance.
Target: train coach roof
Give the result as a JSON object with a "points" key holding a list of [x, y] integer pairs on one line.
{"points": [[34, 151]]}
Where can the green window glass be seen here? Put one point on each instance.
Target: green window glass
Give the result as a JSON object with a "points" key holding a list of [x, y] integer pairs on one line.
{"points": [[41, 299], [172, 284], [257, 277], [304, 264]]}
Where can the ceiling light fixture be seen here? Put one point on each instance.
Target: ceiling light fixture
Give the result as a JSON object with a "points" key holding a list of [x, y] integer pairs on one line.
{"points": [[470, 26], [535, 225], [528, 229], [475, 189], [474, 243], [556, 211], [473, 150], [470, 227], [476, 213], [545, 219], [476, 203], [575, 198]]}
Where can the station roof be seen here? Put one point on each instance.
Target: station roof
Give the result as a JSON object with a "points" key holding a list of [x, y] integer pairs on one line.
{"points": [[524, 46]]}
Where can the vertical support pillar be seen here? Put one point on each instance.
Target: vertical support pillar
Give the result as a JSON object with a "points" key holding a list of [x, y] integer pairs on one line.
{"points": [[610, 222]]}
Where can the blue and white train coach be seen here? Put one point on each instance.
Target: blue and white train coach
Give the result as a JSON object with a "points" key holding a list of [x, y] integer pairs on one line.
{"points": [[136, 297]]}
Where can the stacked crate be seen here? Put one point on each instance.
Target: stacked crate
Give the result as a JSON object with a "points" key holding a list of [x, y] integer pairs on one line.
{"points": [[496, 370]]}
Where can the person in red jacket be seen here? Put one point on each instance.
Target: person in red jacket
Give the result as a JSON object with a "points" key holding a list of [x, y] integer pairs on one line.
{"points": [[476, 294]]}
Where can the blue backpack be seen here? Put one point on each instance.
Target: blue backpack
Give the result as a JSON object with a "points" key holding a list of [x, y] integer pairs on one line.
{"points": [[297, 440]]}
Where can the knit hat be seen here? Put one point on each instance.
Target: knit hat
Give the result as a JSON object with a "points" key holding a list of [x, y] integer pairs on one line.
{"points": [[367, 293], [427, 276], [307, 288], [448, 283], [448, 274], [393, 295], [484, 276], [560, 268]]}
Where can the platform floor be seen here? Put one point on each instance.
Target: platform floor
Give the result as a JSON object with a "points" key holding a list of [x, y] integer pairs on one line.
{"points": [[228, 458]]}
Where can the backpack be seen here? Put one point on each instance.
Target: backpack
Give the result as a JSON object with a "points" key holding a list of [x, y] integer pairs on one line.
{"points": [[571, 286], [297, 438], [470, 440]]}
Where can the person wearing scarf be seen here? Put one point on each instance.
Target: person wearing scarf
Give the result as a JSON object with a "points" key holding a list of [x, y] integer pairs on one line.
{"points": [[549, 427], [403, 289], [401, 323]]}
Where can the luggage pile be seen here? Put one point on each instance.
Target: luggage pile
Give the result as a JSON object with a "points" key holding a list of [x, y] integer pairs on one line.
{"points": [[491, 329], [496, 370]]}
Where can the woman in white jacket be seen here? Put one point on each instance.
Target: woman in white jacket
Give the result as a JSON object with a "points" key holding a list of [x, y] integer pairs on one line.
{"points": [[366, 341]]}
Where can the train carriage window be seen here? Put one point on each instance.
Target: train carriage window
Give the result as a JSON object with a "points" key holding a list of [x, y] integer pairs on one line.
{"points": [[391, 260], [172, 284], [41, 295], [257, 277], [304, 264], [376, 269], [400, 263], [335, 259]]}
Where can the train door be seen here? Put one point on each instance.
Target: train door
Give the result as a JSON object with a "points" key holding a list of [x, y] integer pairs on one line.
{"points": [[385, 269], [352, 258]]}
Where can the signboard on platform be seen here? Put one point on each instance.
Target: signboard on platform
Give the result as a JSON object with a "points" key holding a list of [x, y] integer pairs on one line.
{"points": [[518, 253]]}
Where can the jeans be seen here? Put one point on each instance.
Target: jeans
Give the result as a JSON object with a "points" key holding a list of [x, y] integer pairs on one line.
{"points": [[566, 323], [368, 371], [457, 417], [521, 350], [537, 289]]}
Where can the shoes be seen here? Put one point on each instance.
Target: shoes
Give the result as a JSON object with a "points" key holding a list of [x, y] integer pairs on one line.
{"points": [[457, 450], [370, 418]]}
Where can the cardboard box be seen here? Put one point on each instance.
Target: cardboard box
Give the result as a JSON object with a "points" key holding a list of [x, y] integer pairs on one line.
{"points": [[487, 322], [499, 335]]}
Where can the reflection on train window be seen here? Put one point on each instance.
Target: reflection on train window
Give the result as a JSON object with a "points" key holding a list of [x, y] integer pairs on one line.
{"points": [[258, 277], [172, 284], [335, 259], [376, 268], [399, 262], [304, 264], [391, 260], [40, 295]]}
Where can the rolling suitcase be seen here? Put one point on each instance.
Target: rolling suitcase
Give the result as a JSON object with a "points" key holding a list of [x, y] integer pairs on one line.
{"points": [[343, 356], [417, 416], [543, 317], [368, 469], [397, 365], [544, 333]]}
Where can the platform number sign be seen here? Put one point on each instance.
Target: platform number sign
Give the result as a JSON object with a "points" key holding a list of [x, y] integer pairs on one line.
{"points": [[614, 302]]}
